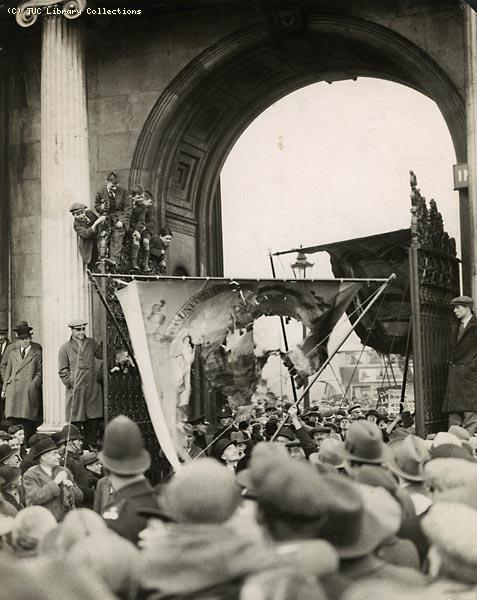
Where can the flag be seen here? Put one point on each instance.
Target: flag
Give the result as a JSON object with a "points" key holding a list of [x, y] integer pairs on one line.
{"points": [[168, 317]]}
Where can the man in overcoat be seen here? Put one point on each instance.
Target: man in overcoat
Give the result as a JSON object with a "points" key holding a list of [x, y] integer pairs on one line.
{"points": [[77, 370], [4, 343], [22, 381], [461, 394]]}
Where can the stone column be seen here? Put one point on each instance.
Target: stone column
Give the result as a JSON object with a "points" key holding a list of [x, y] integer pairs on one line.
{"points": [[64, 180], [471, 105]]}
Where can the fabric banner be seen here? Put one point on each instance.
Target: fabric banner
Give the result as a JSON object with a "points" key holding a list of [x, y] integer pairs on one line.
{"points": [[169, 317]]}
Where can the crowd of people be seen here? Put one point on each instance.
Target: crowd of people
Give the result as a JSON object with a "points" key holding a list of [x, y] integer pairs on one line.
{"points": [[274, 504], [122, 221]]}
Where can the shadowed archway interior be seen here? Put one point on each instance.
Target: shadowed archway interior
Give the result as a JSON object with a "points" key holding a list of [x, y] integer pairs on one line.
{"points": [[202, 113]]}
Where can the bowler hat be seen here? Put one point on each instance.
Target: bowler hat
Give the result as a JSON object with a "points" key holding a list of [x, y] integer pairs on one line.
{"points": [[220, 447], [43, 446], [77, 206], [239, 437], [123, 448], [364, 443], [8, 475], [5, 452], [69, 433], [462, 301], [74, 323]]}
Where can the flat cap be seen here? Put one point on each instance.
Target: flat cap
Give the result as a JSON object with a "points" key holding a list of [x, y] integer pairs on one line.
{"points": [[462, 301], [77, 323], [77, 206]]}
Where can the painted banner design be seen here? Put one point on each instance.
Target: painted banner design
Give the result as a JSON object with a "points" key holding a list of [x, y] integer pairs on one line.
{"points": [[168, 318]]}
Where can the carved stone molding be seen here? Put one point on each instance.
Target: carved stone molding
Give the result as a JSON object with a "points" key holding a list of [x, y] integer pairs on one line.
{"points": [[29, 10]]}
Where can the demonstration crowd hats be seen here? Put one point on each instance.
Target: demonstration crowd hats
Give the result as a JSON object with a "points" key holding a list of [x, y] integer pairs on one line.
{"points": [[203, 491], [408, 458], [296, 490], [123, 448], [4, 435], [88, 458], [22, 325], [462, 301], [77, 206], [74, 323], [69, 433], [287, 433], [221, 445], [8, 475], [5, 452], [330, 454], [364, 443], [43, 446]]}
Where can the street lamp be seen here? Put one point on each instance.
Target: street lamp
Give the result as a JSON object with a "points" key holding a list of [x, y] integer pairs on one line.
{"points": [[300, 266]]}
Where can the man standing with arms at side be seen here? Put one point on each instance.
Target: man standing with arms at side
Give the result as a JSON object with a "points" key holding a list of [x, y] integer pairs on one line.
{"points": [[22, 381], [4, 342], [461, 394], [77, 370]]}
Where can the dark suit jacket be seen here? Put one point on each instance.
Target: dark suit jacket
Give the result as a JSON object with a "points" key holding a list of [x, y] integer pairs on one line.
{"points": [[119, 208], [462, 379], [120, 513]]}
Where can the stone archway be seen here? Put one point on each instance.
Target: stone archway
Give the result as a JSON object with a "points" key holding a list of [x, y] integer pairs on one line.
{"points": [[198, 118]]}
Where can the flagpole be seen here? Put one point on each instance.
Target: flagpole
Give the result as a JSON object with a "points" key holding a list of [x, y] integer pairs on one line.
{"points": [[284, 332]]}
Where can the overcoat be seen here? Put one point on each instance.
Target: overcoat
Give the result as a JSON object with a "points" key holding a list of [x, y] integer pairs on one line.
{"points": [[86, 236], [77, 370], [22, 384], [461, 392]]}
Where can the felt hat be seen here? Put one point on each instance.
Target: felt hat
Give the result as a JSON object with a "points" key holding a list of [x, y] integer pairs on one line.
{"points": [[224, 412], [112, 558], [88, 458], [462, 301], [4, 435], [287, 433], [374, 476], [77, 206], [36, 437], [407, 459], [123, 450], [452, 528], [294, 444], [296, 490], [364, 443], [329, 454], [8, 475], [31, 526], [200, 420], [463, 452], [320, 429], [463, 494], [75, 323], [22, 325], [220, 447], [69, 433], [459, 432], [79, 524], [445, 473], [43, 446], [445, 438], [239, 437], [372, 413], [5, 452], [22, 329], [203, 491]]}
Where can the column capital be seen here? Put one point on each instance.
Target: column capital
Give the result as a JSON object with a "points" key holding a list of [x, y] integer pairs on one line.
{"points": [[28, 11]]}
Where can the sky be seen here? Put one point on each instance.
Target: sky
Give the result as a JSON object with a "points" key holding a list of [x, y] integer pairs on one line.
{"points": [[329, 163]]}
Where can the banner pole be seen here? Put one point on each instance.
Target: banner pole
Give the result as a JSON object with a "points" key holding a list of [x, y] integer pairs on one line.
{"points": [[284, 333], [111, 314]]}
